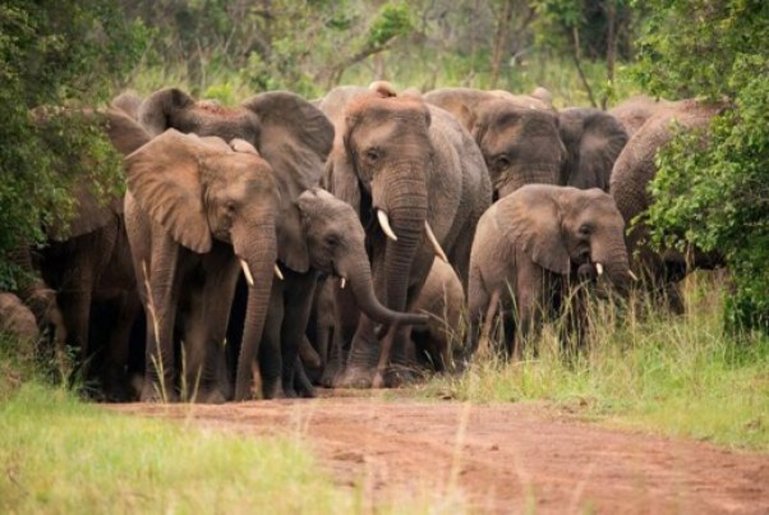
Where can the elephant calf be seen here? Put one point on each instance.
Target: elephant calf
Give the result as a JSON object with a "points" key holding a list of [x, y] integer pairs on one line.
{"points": [[530, 244]]}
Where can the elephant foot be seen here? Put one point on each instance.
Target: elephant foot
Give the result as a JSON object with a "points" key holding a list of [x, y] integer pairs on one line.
{"points": [[379, 381], [399, 375], [151, 392], [274, 391], [355, 377], [330, 375], [213, 396]]}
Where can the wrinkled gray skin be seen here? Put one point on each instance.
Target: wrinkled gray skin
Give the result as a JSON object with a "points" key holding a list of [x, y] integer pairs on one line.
{"points": [[633, 171], [335, 243], [443, 299], [16, 319], [417, 164], [517, 135], [633, 112], [532, 244], [294, 138], [195, 208], [593, 140]]}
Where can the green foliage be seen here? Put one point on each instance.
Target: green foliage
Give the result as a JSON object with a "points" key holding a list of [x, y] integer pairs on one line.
{"points": [[54, 53], [391, 21], [714, 193]]}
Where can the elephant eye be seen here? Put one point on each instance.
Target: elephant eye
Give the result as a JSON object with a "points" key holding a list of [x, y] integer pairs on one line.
{"points": [[502, 161], [585, 229], [332, 240], [372, 154]]}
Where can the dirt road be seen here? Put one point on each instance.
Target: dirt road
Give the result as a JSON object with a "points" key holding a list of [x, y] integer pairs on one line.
{"points": [[503, 458]]}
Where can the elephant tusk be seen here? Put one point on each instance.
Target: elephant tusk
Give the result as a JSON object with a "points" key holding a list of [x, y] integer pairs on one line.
{"points": [[599, 269], [342, 282], [384, 221], [277, 271], [632, 275], [434, 242], [247, 272]]}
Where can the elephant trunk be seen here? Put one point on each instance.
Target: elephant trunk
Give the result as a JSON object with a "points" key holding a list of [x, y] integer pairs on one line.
{"points": [[407, 209], [614, 262], [259, 252], [362, 286]]}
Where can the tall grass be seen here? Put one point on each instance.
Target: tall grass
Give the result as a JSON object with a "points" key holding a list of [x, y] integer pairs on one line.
{"points": [[644, 368]]}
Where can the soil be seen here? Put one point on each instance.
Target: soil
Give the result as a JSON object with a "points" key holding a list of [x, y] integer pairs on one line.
{"points": [[499, 458]]}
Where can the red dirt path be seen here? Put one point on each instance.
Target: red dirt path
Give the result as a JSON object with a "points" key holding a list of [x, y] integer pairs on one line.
{"points": [[502, 458]]}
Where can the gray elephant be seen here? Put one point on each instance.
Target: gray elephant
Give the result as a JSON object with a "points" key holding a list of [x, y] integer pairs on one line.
{"points": [[419, 184], [16, 319], [517, 135], [593, 140], [633, 112], [197, 211], [443, 299], [634, 169], [531, 245]]}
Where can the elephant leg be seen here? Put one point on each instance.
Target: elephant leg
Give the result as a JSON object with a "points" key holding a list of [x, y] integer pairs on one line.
{"points": [[529, 297], [75, 305], [270, 358], [297, 306], [362, 358], [160, 298], [309, 356], [302, 384], [114, 376], [335, 359]]}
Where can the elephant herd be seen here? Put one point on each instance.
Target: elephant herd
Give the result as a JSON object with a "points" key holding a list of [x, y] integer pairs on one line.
{"points": [[350, 241]]}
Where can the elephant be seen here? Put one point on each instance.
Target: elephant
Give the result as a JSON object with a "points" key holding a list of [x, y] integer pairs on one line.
{"points": [[531, 246], [294, 138], [633, 112], [197, 211], [16, 319], [419, 184], [443, 299], [593, 140], [517, 135], [86, 262], [128, 102], [634, 169]]}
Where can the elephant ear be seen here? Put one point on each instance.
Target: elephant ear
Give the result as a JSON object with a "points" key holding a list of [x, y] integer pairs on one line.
{"points": [[531, 217], [158, 111], [593, 140], [295, 138], [164, 177]]}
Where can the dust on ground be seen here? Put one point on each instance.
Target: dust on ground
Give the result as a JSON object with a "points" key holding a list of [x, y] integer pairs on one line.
{"points": [[499, 458]]}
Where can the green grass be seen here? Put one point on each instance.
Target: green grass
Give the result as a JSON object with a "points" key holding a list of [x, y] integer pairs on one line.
{"points": [[676, 375], [60, 455]]}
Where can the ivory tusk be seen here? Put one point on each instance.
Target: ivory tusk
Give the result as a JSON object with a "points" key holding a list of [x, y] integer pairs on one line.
{"points": [[384, 222], [434, 242], [247, 272], [632, 275], [277, 271], [599, 268], [342, 282]]}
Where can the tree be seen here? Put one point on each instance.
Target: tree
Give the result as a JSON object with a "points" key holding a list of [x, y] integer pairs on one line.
{"points": [[716, 196], [54, 53]]}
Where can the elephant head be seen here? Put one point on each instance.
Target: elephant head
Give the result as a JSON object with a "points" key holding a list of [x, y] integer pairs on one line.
{"points": [[382, 167], [293, 136], [200, 189], [336, 244], [593, 140], [562, 229], [517, 134]]}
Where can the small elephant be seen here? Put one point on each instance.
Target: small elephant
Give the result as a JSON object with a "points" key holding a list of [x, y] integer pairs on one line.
{"points": [[443, 299], [531, 244], [16, 319], [633, 171]]}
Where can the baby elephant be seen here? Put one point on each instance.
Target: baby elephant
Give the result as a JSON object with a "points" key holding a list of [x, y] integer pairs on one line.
{"points": [[16, 319], [531, 245]]}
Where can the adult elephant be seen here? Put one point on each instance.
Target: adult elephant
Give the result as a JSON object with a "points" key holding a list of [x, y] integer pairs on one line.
{"points": [[87, 262], [517, 135], [294, 138], [197, 211], [593, 140], [634, 169], [531, 246], [418, 183], [633, 112]]}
